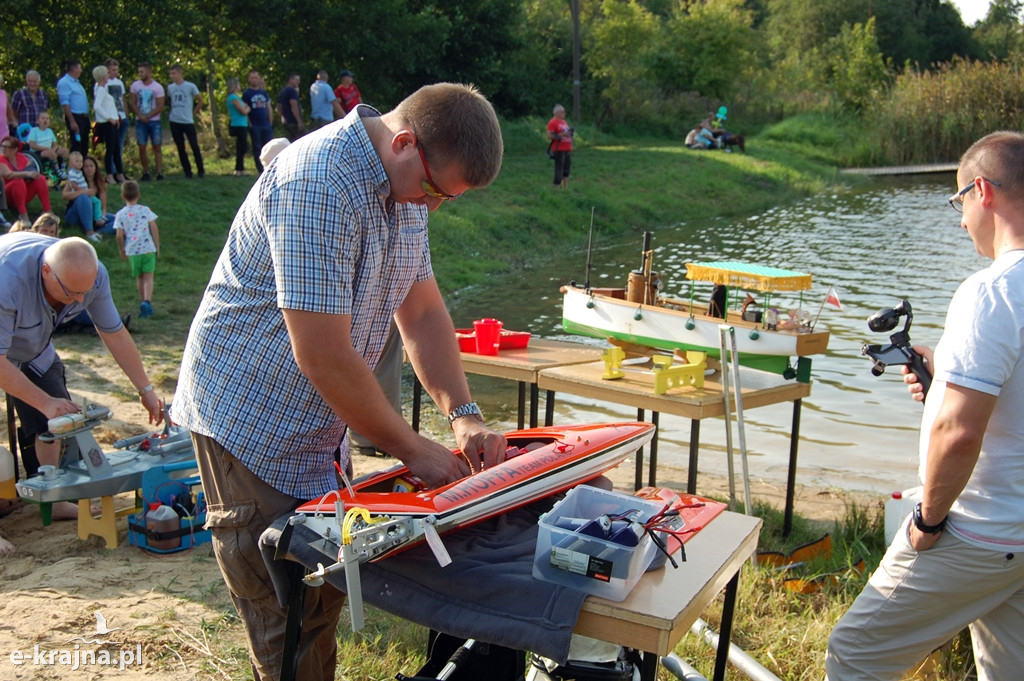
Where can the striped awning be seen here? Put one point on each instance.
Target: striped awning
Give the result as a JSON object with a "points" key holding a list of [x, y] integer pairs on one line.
{"points": [[747, 276]]}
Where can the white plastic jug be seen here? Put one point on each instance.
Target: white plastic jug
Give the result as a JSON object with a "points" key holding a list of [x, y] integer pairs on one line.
{"points": [[7, 490], [898, 508], [162, 518]]}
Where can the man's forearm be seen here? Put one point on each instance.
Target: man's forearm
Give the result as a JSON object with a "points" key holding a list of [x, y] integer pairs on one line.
{"points": [[16, 384], [126, 354]]}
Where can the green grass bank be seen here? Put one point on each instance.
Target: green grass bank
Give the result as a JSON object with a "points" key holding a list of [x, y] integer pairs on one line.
{"points": [[632, 182]]}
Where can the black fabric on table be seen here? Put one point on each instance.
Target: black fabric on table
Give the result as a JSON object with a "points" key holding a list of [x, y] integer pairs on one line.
{"points": [[488, 592]]}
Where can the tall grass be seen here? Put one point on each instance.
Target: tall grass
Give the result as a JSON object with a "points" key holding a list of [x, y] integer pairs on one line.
{"points": [[936, 115]]}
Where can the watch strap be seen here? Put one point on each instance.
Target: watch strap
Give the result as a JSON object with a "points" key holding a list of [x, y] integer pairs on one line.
{"points": [[927, 529], [468, 409]]}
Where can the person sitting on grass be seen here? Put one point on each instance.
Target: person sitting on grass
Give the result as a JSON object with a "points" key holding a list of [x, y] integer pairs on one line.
{"points": [[138, 239], [47, 224], [86, 194], [43, 142]]}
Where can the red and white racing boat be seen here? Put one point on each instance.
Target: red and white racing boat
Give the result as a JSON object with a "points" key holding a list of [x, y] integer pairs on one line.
{"points": [[391, 510]]}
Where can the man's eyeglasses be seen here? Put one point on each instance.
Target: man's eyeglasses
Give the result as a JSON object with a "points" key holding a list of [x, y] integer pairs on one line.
{"points": [[428, 184], [69, 294], [957, 200]]}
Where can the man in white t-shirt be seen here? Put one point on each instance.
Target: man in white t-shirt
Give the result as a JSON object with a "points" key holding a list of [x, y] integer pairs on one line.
{"points": [[186, 102], [955, 562]]}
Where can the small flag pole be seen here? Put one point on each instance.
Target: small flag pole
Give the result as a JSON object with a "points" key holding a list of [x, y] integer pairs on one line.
{"points": [[824, 300]]}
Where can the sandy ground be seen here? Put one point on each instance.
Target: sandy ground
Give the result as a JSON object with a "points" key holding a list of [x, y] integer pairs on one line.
{"points": [[167, 609]]}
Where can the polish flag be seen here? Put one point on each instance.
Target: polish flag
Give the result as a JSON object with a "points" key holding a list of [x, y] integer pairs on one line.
{"points": [[832, 298]]}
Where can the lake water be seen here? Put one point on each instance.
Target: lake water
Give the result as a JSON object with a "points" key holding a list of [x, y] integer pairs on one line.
{"points": [[895, 238]]}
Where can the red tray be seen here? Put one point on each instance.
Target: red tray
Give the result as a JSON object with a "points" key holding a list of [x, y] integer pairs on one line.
{"points": [[509, 340]]}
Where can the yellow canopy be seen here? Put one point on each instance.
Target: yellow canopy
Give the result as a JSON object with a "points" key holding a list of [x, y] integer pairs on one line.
{"points": [[746, 276]]}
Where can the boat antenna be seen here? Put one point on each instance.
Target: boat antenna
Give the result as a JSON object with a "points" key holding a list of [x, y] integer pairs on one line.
{"points": [[590, 245], [643, 253]]}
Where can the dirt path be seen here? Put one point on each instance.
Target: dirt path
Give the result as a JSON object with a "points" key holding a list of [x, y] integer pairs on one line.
{"points": [[168, 608]]}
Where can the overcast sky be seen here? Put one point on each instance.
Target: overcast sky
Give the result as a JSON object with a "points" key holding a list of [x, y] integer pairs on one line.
{"points": [[972, 10]]}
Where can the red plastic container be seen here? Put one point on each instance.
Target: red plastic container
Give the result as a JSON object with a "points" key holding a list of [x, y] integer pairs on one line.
{"points": [[508, 340], [513, 340], [488, 335], [466, 339]]}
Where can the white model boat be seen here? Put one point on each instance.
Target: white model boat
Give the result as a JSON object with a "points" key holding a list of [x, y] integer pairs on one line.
{"points": [[765, 337]]}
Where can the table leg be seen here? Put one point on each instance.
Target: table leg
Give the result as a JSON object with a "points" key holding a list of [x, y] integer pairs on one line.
{"points": [[725, 635], [638, 474], [691, 475], [534, 399], [293, 622], [649, 667], [522, 405], [417, 399], [549, 408], [652, 467], [794, 443]]}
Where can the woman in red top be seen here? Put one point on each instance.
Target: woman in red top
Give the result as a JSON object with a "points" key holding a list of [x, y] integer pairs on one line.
{"points": [[21, 181], [560, 135]]}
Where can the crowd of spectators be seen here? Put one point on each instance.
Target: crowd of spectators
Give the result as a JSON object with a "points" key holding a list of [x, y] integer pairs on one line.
{"points": [[42, 129]]}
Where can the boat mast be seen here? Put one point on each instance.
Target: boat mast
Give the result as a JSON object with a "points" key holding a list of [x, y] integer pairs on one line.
{"points": [[590, 244]]}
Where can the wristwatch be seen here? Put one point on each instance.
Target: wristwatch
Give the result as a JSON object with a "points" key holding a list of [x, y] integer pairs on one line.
{"points": [[469, 409], [927, 529]]}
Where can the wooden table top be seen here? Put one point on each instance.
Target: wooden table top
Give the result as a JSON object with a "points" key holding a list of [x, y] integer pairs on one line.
{"points": [[758, 388], [523, 364], [665, 603]]}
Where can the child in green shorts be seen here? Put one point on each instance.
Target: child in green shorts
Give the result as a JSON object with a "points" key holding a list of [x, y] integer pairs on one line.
{"points": [[139, 241]]}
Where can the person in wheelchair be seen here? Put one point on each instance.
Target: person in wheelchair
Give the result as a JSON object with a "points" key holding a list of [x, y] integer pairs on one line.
{"points": [[42, 143]]}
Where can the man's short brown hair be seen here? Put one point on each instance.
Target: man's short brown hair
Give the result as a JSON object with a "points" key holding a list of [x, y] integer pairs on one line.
{"points": [[999, 157], [456, 124]]}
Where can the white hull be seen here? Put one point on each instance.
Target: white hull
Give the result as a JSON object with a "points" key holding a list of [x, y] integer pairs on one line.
{"points": [[666, 328]]}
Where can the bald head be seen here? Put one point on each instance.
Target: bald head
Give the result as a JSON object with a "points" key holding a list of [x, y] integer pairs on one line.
{"points": [[73, 264]]}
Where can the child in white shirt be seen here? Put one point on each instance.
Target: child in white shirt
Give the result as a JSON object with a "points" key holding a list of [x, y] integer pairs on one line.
{"points": [[139, 241]]}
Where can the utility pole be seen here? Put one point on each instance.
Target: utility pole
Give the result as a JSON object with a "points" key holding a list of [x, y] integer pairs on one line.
{"points": [[575, 61]]}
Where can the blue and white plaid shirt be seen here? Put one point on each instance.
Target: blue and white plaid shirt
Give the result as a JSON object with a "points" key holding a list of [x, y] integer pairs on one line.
{"points": [[317, 233]]}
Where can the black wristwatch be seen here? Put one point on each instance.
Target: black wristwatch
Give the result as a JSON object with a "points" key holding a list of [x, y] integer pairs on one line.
{"points": [[927, 529]]}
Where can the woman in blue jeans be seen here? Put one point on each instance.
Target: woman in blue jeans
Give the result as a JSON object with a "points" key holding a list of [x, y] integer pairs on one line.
{"points": [[81, 211]]}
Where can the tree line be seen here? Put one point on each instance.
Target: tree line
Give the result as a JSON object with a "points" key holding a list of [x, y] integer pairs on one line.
{"points": [[644, 63]]}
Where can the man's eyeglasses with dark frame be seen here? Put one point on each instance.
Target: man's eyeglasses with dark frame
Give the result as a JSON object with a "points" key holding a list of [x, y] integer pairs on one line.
{"points": [[956, 201]]}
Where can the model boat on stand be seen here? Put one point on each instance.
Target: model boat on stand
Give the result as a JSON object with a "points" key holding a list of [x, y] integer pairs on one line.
{"points": [[768, 334], [85, 471], [391, 510]]}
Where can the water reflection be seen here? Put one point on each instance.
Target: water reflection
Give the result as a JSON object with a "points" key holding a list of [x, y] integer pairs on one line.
{"points": [[896, 238]]}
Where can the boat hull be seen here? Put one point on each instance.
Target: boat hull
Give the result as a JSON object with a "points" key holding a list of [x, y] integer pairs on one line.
{"points": [[665, 328], [547, 461]]}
